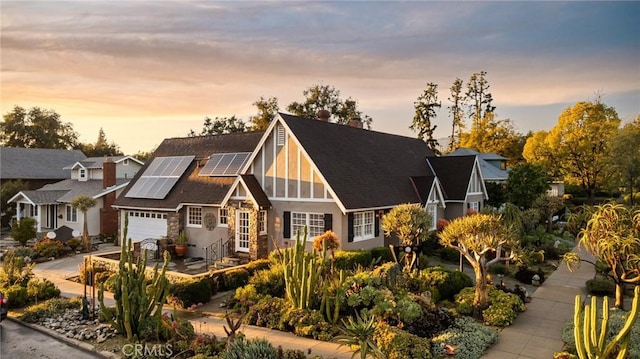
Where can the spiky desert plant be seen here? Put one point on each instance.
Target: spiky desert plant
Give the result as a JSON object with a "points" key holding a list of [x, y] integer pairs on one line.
{"points": [[358, 335], [302, 273]]}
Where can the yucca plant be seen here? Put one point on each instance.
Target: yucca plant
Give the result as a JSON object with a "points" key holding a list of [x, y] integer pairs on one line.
{"points": [[358, 335]]}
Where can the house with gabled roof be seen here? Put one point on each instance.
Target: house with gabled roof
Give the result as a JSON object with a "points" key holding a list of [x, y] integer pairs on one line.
{"points": [[182, 187], [492, 165], [462, 184], [326, 176], [101, 178], [36, 166]]}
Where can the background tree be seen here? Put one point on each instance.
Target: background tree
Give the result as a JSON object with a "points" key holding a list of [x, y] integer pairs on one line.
{"points": [[425, 107], [101, 148], [475, 237], [83, 203], [625, 149], [578, 145], [526, 182], [324, 97], [547, 206], [36, 128], [493, 136], [479, 98], [612, 236], [7, 191], [267, 111], [144, 156], [456, 110], [24, 230], [220, 125], [411, 224]]}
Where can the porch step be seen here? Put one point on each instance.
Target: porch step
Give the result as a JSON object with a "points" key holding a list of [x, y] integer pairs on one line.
{"points": [[226, 262]]}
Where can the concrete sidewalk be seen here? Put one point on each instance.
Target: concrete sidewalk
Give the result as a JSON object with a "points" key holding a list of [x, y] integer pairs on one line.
{"points": [[537, 333]]}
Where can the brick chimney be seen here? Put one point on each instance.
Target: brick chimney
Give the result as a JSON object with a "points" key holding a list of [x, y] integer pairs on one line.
{"points": [[324, 115], [108, 215]]}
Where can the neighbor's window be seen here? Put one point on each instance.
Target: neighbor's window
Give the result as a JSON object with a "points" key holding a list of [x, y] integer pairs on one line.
{"points": [[83, 173], [72, 214], [313, 221], [363, 223], [223, 215], [262, 222], [194, 216]]}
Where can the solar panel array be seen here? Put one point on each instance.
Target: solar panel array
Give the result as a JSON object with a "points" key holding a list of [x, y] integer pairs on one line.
{"points": [[160, 177], [225, 164]]}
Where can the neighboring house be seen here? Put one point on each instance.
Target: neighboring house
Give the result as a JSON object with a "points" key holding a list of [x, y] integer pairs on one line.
{"points": [[182, 187], [102, 178], [492, 165], [36, 166], [462, 183], [556, 188]]}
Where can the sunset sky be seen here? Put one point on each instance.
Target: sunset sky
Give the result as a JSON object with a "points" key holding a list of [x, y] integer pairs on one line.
{"points": [[148, 70]]}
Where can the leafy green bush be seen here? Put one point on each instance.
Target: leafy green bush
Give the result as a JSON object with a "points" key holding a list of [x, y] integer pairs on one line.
{"points": [[384, 253], [42, 289], [448, 283], [190, 292], [256, 265], [15, 270], [75, 244], [396, 343], [245, 297], [268, 312], [269, 281], [17, 296], [449, 254], [49, 309], [601, 287], [307, 323], [349, 260], [235, 278], [433, 320], [389, 273], [498, 268], [24, 230], [110, 283], [503, 307], [48, 248], [470, 338]]}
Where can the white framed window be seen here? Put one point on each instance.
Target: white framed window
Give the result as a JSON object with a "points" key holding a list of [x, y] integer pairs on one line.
{"points": [[194, 217], [280, 136], [82, 174], [432, 209], [475, 186], [242, 231], [125, 162], [223, 215], [313, 221], [474, 206], [262, 222], [363, 223], [72, 214]]}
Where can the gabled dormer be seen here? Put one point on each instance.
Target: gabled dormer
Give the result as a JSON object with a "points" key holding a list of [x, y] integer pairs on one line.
{"points": [[92, 168]]}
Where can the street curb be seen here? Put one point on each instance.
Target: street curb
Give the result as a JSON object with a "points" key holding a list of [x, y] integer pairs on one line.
{"points": [[86, 347]]}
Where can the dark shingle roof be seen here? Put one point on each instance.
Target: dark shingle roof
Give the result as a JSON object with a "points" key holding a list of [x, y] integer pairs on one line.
{"points": [[75, 188], [36, 163], [454, 174], [366, 169], [256, 191], [192, 188], [44, 197], [489, 171], [96, 162]]}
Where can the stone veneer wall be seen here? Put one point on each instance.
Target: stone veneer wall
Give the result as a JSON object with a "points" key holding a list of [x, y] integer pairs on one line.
{"points": [[175, 223]]}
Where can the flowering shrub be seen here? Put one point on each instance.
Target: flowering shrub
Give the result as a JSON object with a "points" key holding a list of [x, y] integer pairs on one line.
{"points": [[269, 281], [503, 307], [396, 343], [469, 338], [47, 248]]}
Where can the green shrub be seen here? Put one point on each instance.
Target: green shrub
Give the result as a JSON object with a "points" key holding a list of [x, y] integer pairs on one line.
{"points": [[449, 254], [448, 283], [242, 348], [384, 253], [245, 297], [601, 287], [24, 230], [42, 289], [49, 309], [190, 292], [464, 301], [498, 268], [396, 343], [307, 323], [235, 278], [433, 320], [423, 261], [470, 338], [350, 260], [110, 283], [48, 248], [14, 269], [268, 312], [17, 296], [75, 244], [503, 307], [256, 265], [269, 281], [389, 273]]}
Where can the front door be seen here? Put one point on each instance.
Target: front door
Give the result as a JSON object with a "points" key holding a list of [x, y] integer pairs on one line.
{"points": [[242, 231]]}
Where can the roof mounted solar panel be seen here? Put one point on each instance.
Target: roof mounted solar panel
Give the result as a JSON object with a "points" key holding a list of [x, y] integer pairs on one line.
{"points": [[160, 177], [225, 164]]}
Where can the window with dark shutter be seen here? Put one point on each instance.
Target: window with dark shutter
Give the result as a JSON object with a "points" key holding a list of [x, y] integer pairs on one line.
{"points": [[286, 226], [328, 222], [350, 227], [376, 227]]}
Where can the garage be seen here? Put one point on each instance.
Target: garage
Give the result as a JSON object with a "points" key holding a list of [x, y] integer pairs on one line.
{"points": [[145, 224]]}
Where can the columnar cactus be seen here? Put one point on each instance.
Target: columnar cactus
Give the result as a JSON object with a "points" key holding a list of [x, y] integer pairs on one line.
{"points": [[136, 301], [590, 344], [301, 273]]}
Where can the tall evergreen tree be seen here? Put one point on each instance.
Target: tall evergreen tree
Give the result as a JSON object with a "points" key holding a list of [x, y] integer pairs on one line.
{"points": [[426, 106]]}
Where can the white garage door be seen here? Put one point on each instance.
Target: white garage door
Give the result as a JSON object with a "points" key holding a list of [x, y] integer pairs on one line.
{"points": [[143, 225]]}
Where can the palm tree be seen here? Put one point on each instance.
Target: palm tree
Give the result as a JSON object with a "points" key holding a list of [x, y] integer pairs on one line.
{"points": [[84, 203]]}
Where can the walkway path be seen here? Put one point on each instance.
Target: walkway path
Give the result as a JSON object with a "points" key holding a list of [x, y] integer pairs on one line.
{"points": [[537, 333]]}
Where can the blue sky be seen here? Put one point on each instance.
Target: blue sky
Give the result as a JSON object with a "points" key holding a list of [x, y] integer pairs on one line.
{"points": [[147, 70]]}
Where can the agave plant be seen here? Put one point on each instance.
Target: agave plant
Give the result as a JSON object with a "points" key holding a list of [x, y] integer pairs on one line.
{"points": [[357, 334]]}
